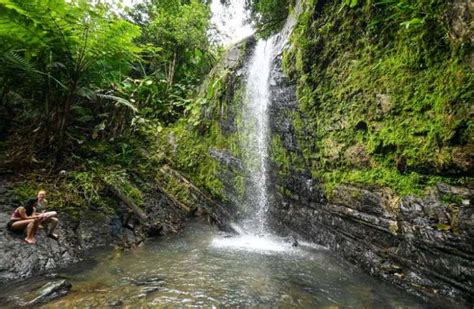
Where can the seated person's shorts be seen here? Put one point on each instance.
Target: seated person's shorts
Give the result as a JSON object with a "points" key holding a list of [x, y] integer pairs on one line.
{"points": [[9, 227]]}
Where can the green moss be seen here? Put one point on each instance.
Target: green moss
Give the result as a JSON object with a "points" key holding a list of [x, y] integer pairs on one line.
{"points": [[25, 190], [174, 188], [188, 152], [120, 179], [239, 185], [400, 95], [280, 155], [451, 199], [403, 184], [75, 191], [211, 124]]}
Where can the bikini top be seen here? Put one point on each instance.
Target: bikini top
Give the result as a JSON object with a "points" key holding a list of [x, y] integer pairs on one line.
{"points": [[16, 214]]}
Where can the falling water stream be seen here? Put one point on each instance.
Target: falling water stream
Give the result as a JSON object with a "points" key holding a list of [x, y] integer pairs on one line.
{"points": [[253, 231], [254, 133]]}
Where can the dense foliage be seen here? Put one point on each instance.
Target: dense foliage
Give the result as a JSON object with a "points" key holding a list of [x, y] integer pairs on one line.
{"points": [[270, 15], [59, 61], [87, 89]]}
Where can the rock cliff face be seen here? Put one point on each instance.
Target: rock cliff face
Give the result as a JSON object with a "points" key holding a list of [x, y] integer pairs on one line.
{"points": [[337, 184], [423, 244]]}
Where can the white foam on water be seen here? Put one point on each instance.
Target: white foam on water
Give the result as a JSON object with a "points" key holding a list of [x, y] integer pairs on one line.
{"points": [[252, 243]]}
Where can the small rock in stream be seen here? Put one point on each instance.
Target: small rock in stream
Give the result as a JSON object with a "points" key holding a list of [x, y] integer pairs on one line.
{"points": [[295, 243], [50, 291], [149, 289], [151, 281], [115, 303]]}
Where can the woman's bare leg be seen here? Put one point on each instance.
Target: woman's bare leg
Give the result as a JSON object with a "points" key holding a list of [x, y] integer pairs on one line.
{"points": [[53, 222], [31, 231], [20, 225]]}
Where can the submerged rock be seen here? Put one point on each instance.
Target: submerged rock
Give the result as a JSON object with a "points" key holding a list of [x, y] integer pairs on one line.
{"points": [[50, 291], [116, 303], [33, 292], [147, 281]]}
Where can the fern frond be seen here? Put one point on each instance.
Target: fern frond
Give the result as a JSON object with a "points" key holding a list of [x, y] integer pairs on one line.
{"points": [[19, 62]]}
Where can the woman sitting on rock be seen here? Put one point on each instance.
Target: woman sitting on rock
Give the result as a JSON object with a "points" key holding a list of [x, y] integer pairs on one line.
{"points": [[49, 218], [27, 218]]}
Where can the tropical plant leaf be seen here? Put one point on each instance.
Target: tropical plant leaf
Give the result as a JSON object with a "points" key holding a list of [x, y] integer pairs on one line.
{"points": [[120, 100]]}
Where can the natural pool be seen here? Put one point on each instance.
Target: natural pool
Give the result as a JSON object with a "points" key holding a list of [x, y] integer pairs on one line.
{"points": [[201, 267]]}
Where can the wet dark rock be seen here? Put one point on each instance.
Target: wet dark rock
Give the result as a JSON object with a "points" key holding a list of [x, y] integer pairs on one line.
{"points": [[50, 291], [460, 191], [147, 281], [294, 242], [361, 126], [149, 290], [148, 284], [397, 239], [226, 159], [466, 219], [33, 292], [94, 229], [21, 260]]}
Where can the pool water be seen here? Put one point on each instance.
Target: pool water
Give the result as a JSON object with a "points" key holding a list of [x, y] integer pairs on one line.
{"points": [[201, 267]]}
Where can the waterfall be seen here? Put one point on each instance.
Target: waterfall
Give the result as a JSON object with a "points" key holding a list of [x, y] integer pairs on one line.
{"points": [[254, 128], [254, 133]]}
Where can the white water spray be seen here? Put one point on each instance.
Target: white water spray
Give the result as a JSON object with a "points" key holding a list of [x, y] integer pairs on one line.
{"points": [[254, 131], [255, 127]]}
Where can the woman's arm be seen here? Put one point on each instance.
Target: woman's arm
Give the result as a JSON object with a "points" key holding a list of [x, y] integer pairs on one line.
{"points": [[23, 215]]}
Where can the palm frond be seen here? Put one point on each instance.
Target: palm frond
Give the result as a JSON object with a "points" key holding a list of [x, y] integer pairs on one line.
{"points": [[118, 100]]}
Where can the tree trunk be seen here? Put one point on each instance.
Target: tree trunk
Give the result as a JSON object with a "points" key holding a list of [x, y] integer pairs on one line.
{"points": [[127, 201]]}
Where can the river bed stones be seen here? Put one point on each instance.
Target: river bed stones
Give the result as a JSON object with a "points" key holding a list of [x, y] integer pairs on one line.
{"points": [[50, 291], [35, 292]]}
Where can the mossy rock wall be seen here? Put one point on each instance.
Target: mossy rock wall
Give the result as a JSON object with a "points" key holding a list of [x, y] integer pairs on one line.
{"points": [[371, 148], [385, 94], [204, 146]]}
